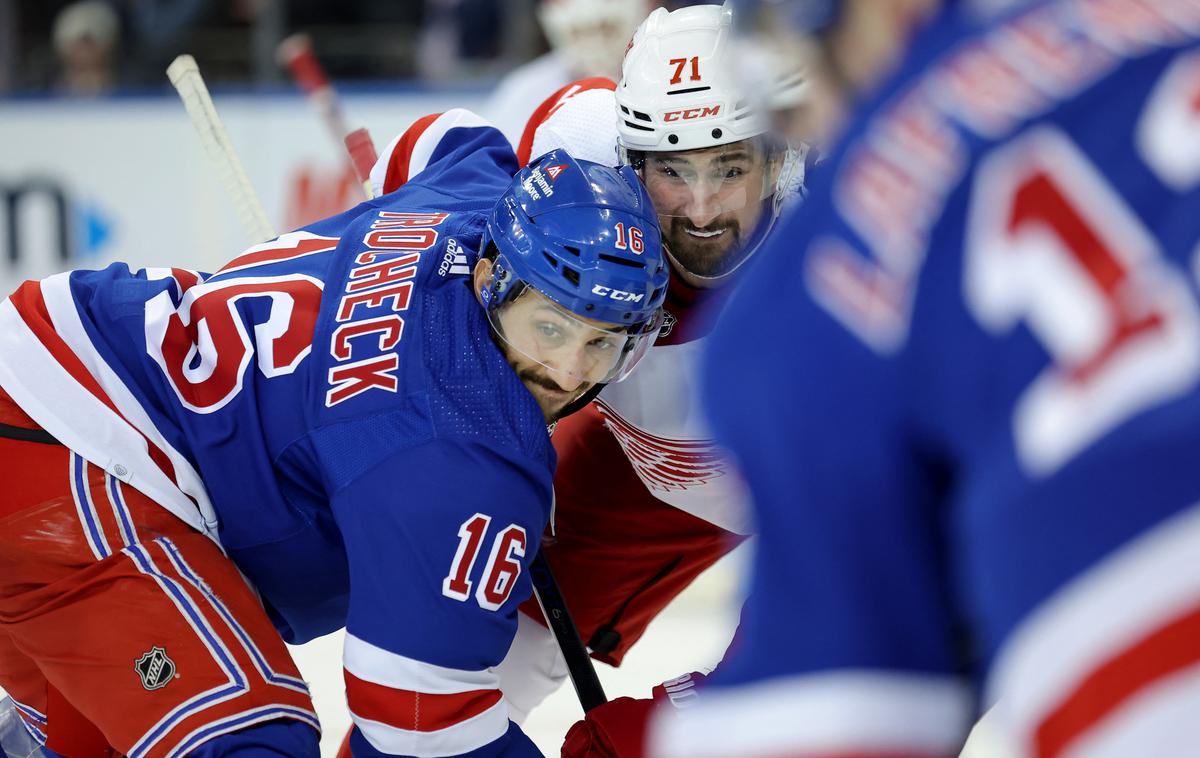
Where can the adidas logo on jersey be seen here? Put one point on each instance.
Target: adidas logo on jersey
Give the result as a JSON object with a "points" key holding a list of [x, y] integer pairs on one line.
{"points": [[454, 261]]}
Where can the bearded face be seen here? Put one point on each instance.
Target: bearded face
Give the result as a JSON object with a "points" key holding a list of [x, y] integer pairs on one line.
{"points": [[709, 201]]}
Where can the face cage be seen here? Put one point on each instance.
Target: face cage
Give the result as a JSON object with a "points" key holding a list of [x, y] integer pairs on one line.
{"points": [[544, 332], [694, 184]]}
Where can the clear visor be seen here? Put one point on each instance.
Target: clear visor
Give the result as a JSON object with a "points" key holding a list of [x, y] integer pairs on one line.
{"points": [[707, 184], [572, 350]]}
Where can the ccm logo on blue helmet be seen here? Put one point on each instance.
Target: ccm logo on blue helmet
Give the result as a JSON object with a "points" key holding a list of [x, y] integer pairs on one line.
{"points": [[619, 295]]}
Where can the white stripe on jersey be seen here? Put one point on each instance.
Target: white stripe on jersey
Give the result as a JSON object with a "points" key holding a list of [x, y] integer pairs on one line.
{"points": [[85, 424], [1143, 586], [843, 712], [374, 664]]}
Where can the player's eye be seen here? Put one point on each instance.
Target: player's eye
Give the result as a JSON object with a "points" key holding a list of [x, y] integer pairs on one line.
{"points": [[668, 171], [549, 333], [604, 344]]}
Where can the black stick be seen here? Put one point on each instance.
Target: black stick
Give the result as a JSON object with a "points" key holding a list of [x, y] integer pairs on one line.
{"points": [[554, 606]]}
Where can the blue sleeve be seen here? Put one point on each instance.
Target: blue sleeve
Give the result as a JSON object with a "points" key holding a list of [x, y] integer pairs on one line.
{"points": [[438, 538], [862, 561]]}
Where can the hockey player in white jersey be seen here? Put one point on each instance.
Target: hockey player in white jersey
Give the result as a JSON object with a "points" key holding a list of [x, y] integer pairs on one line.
{"points": [[587, 38], [667, 506], [644, 500]]}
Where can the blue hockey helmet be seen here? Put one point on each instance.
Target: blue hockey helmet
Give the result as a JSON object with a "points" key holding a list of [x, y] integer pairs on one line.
{"points": [[585, 237]]}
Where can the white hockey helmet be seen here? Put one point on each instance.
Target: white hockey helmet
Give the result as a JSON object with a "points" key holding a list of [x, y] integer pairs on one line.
{"points": [[703, 148], [679, 86], [591, 33]]}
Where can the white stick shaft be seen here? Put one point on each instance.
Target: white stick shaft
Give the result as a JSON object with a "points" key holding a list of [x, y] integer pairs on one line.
{"points": [[185, 76]]}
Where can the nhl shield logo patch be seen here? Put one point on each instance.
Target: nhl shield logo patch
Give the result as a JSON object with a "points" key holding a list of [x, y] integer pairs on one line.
{"points": [[554, 171], [155, 668]]}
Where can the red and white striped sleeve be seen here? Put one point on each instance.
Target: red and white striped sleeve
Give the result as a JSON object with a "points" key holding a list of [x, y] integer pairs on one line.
{"points": [[580, 118], [407, 707], [411, 152]]}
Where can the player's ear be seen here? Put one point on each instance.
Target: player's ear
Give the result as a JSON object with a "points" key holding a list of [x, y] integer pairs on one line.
{"points": [[481, 277]]}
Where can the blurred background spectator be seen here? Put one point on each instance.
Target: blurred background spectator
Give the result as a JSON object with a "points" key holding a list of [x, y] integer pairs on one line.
{"points": [[86, 38], [98, 46]]}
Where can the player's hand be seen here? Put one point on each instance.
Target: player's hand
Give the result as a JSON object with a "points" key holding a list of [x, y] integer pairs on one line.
{"points": [[617, 729]]}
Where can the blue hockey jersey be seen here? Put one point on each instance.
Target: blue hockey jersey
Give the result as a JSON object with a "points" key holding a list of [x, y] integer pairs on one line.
{"points": [[330, 407], [961, 382]]}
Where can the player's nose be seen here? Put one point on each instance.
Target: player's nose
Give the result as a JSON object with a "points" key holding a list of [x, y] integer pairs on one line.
{"points": [[703, 207], [569, 368]]}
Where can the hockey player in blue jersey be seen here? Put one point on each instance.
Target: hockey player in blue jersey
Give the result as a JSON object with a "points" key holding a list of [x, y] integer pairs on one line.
{"points": [[963, 384], [352, 417]]}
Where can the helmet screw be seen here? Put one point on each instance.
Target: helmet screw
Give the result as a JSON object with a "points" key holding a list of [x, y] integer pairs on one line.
{"points": [[672, 138], [716, 133]]}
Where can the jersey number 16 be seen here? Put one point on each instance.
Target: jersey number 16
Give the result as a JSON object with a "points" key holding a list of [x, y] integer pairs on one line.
{"points": [[499, 573]]}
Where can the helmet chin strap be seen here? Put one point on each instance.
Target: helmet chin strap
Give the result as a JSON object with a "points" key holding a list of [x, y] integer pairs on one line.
{"points": [[577, 404]]}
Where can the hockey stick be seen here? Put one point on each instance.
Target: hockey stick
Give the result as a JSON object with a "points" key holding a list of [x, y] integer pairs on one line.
{"points": [[362, 156], [297, 55], [554, 607], [185, 77]]}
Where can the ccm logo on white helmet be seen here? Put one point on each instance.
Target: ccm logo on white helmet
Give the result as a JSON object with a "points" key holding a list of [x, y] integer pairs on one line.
{"points": [[688, 114], [618, 295]]}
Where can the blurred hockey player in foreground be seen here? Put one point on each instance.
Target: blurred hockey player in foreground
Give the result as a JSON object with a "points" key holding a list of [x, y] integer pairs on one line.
{"points": [[962, 385], [587, 38], [351, 416]]}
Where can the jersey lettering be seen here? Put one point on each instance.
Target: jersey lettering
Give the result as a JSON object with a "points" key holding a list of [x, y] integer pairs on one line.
{"points": [[503, 568], [379, 288], [1168, 133], [501, 571], [204, 348], [1053, 246], [457, 583]]}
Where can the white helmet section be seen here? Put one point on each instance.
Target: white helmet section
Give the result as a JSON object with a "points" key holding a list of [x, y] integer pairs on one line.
{"points": [[583, 124], [679, 86], [591, 33]]}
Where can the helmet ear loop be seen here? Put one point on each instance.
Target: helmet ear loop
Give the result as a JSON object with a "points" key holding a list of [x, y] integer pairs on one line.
{"points": [[784, 167]]}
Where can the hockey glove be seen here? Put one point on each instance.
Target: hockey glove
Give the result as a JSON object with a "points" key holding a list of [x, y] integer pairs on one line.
{"points": [[617, 729]]}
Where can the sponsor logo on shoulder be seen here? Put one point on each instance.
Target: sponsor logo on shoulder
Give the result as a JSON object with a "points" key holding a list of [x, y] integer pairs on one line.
{"points": [[154, 668], [454, 260]]}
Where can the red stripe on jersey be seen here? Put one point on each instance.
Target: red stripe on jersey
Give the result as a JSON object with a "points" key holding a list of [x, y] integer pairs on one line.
{"points": [[31, 307], [1159, 654], [185, 278], [280, 250], [415, 711], [398, 161], [542, 113]]}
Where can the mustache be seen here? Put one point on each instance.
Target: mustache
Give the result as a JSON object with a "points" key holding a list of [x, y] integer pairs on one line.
{"points": [[533, 377]]}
